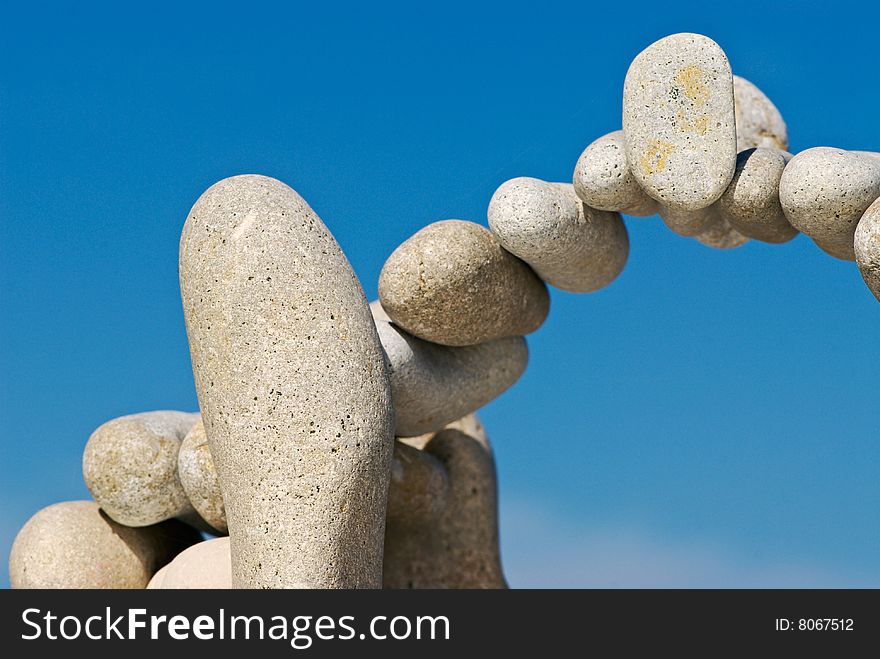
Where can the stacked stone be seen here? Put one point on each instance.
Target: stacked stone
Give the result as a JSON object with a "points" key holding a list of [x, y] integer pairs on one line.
{"points": [[337, 443]]}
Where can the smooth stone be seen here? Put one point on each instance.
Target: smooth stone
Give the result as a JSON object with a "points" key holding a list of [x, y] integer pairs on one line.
{"points": [[824, 193], [751, 202], [130, 467], [870, 154], [419, 488], [603, 180], [199, 478], [458, 548], [679, 122], [758, 122], [205, 565], [687, 223], [378, 312], [719, 234], [292, 385], [452, 283], [76, 545], [867, 247], [569, 245], [433, 385]]}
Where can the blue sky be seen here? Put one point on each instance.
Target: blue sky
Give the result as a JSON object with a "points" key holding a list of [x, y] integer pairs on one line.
{"points": [[707, 420]]}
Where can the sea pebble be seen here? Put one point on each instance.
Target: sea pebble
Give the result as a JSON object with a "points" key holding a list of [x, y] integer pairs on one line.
{"points": [[292, 385], [569, 245], [867, 247], [74, 544], [459, 547], [206, 565], [452, 283], [825, 191], [198, 475], [603, 180], [758, 122], [751, 202], [130, 467], [679, 122]]}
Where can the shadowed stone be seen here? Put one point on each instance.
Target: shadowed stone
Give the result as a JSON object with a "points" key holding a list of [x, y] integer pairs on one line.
{"points": [[458, 548], [419, 489], [75, 545], [679, 122], [751, 202], [292, 386], [198, 475], [867, 247]]}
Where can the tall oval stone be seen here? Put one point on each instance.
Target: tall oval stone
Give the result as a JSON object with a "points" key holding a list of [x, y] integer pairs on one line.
{"points": [[867, 247], [130, 467], [292, 386], [433, 385], [824, 192], [679, 122], [74, 544], [452, 283], [568, 244]]}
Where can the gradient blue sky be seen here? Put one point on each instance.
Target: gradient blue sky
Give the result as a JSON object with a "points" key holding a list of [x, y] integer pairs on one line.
{"points": [[708, 419]]}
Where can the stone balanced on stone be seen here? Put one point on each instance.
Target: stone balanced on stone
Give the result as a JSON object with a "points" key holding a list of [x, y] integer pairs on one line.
{"points": [[303, 390]]}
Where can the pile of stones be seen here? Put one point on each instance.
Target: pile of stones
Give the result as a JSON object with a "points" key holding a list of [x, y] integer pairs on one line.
{"points": [[337, 445]]}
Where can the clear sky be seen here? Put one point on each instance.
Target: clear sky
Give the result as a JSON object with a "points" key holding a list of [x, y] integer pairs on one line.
{"points": [[710, 419]]}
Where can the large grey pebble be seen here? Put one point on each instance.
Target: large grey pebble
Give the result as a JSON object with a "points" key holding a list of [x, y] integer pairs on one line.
{"points": [[76, 545], [130, 467], [569, 245], [206, 565], [679, 122], [292, 385], [685, 222], [758, 122], [603, 179], [198, 475], [867, 247], [432, 385], [452, 283], [751, 202], [459, 547], [825, 191]]}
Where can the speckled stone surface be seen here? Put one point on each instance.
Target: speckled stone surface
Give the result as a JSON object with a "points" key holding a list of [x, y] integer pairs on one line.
{"points": [[130, 467], [207, 565], [292, 386], [433, 385], [452, 283], [199, 478], [75, 545], [718, 233], [867, 247], [458, 548], [419, 488], [824, 192], [603, 180], [679, 122], [569, 245], [758, 122], [751, 202]]}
